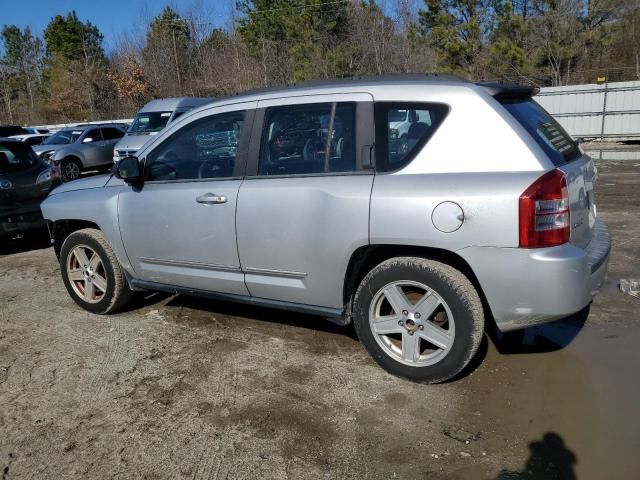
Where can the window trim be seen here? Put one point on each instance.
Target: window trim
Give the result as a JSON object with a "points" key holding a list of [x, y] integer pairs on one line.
{"points": [[240, 164], [363, 133], [381, 110]]}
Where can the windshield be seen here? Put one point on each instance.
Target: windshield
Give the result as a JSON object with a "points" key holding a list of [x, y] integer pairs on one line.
{"points": [[547, 132], [63, 137], [149, 122], [16, 157], [397, 115]]}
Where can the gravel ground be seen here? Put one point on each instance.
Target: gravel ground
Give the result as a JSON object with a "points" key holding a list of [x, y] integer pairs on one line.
{"points": [[177, 387]]}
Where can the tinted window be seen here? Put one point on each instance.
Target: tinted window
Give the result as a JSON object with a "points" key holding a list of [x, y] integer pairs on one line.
{"points": [[93, 134], [177, 115], [149, 122], [203, 149], [33, 140], [307, 139], [111, 133], [16, 157], [547, 133], [402, 129]]}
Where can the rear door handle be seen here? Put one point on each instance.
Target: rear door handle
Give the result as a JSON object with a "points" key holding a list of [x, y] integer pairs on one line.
{"points": [[211, 199]]}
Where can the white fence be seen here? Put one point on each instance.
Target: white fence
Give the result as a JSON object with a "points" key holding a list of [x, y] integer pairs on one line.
{"points": [[610, 111]]}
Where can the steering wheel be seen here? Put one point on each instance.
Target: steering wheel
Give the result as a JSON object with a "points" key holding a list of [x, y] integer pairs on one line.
{"points": [[160, 169]]}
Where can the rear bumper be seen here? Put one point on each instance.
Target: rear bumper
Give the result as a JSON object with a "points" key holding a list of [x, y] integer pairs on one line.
{"points": [[526, 287]]}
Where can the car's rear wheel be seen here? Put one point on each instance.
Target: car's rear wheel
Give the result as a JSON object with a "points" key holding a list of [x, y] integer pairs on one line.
{"points": [[91, 272], [70, 169], [418, 318]]}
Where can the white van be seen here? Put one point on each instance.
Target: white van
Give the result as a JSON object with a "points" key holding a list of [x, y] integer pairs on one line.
{"points": [[151, 119]]}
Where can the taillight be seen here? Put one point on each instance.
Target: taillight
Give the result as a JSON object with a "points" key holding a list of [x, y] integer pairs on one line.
{"points": [[544, 212]]}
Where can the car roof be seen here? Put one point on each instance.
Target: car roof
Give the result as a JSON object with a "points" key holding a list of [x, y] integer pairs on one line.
{"points": [[356, 84], [86, 126], [172, 103]]}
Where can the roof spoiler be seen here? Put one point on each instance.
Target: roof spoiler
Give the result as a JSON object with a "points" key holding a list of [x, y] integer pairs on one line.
{"points": [[508, 91]]}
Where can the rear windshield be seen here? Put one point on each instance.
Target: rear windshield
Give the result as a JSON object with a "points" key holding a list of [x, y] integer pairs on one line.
{"points": [[16, 157], [548, 133], [149, 122]]}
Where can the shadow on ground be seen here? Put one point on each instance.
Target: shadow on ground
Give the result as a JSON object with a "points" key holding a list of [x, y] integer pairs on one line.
{"points": [[545, 338], [549, 459], [262, 314]]}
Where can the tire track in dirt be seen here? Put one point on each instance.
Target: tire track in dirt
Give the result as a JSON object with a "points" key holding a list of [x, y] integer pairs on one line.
{"points": [[101, 377]]}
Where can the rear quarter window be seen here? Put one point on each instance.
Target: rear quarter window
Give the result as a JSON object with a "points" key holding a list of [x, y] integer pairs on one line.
{"points": [[403, 129], [545, 130]]}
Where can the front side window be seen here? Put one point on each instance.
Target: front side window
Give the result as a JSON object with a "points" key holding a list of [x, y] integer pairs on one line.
{"points": [[308, 139], [92, 136], [203, 149], [402, 129]]}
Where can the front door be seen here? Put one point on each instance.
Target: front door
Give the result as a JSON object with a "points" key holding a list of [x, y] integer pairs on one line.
{"points": [[304, 205], [179, 227]]}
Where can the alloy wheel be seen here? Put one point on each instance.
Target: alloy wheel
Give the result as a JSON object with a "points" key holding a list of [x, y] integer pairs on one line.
{"points": [[412, 323]]}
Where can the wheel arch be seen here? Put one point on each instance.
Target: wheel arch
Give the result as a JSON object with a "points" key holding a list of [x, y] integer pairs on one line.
{"points": [[61, 229], [367, 257]]}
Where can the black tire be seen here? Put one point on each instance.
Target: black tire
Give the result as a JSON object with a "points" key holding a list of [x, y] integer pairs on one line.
{"points": [[68, 169], [117, 293], [452, 286]]}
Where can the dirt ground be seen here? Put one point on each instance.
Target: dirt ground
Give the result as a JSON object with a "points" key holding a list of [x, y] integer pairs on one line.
{"points": [[177, 387]]}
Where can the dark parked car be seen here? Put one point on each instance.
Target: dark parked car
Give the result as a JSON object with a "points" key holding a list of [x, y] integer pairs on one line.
{"points": [[25, 180], [8, 130]]}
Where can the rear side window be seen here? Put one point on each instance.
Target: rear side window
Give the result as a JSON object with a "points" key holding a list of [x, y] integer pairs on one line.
{"points": [[402, 129], [308, 139], [552, 138]]}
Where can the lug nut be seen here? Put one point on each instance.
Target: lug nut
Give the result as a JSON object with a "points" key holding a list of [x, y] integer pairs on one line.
{"points": [[421, 327], [405, 313], [410, 332], [400, 323], [417, 315]]}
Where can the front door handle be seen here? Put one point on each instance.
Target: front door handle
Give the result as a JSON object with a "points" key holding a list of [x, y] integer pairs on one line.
{"points": [[211, 199]]}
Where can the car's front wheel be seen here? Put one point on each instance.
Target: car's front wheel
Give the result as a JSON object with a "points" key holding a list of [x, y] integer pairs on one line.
{"points": [[70, 169], [91, 272], [418, 318]]}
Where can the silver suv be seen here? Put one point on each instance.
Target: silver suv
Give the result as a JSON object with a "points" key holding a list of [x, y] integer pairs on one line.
{"points": [[301, 199], [80, 148]]}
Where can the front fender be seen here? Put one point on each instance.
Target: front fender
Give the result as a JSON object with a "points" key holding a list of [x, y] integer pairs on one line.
{"points": [[95, 205], [63, 153]]}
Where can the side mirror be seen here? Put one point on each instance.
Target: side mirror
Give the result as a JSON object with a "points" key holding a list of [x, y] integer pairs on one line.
{"points": [[128, 169], [87, 140]]}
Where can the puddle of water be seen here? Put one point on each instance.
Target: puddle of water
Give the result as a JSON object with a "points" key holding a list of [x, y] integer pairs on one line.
{"points": [[579, 384]]}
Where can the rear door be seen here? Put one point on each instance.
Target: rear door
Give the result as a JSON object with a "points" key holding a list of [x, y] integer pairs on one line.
{"points": [[565, 154], [304, 205], [111, 136]]}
